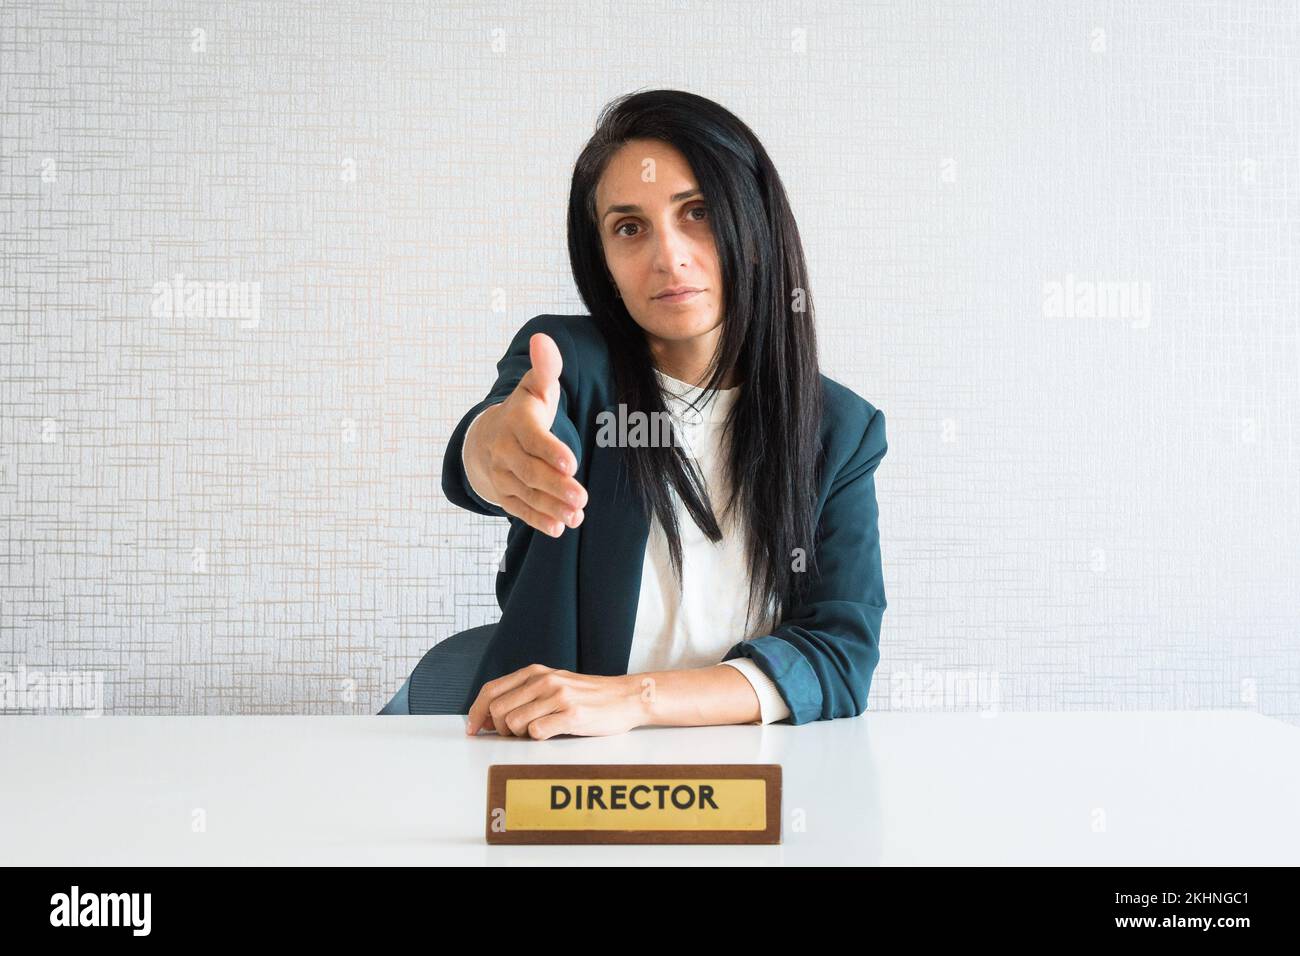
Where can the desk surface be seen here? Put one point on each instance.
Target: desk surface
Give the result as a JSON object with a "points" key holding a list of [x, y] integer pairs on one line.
{"points": [[1130, 788]]}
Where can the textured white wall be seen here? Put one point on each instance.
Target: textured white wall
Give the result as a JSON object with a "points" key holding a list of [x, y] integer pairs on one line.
{"points": [[222, 511]]}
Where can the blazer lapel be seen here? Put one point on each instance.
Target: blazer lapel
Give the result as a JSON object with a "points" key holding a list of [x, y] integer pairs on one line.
{"points": [[611, 555]]}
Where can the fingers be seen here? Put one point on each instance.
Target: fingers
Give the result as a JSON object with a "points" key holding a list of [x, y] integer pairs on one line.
{"points": [[536, 493], [541, 444], [520, 717], [531, 517], [541, 496], [537, 508], [474, 720], [544, 490], [537, 472], [480, 714], [542, 692]]}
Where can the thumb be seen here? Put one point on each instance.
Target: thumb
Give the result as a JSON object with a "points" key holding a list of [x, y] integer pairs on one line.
{"points": [[543, 379]]}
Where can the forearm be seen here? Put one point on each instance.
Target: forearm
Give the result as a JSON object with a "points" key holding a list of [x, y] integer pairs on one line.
{"points": [[698, 697]]}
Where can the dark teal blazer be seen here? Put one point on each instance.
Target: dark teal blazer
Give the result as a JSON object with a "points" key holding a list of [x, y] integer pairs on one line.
{"points": [[570, 602]]}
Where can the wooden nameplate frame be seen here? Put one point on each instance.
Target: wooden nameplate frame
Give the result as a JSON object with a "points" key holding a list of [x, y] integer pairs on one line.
{"points": [[634, 803]]}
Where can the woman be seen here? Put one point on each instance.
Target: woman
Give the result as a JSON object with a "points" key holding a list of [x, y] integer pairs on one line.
{"points": [[728, 574]]}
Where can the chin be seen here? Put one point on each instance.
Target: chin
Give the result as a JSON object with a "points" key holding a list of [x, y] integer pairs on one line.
{"points": [[679, 324]]}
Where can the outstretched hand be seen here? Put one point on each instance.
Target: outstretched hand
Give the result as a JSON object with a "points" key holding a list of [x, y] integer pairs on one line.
{"points": [[511, 452]]}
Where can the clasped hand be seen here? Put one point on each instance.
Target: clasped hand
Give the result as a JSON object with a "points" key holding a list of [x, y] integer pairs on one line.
{"points": [[539, 702]]}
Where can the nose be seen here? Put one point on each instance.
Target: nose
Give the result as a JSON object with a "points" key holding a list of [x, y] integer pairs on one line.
{"points": [[670, 249]]}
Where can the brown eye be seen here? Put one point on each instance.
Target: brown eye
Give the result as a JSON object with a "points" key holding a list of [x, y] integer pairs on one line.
{"points": [[618, 230]]}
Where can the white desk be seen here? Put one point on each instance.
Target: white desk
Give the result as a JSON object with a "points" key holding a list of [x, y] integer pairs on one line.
{"points": [[1194, 788]]}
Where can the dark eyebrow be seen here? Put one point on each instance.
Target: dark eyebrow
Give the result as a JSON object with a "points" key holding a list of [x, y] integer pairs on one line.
{"points": [[675, 197]]}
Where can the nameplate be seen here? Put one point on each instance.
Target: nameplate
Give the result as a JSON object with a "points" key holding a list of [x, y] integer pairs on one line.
{"points": [[634, 803]]}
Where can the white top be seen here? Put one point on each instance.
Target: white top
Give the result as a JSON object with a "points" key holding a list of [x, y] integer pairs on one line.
{"points": [[695, 629]]}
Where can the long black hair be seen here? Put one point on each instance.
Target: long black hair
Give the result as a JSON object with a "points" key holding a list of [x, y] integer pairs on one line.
{"points": [[774, 452]]}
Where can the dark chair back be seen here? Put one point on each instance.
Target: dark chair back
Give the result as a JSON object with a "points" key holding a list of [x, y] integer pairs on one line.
{"points": [[440, 683]]}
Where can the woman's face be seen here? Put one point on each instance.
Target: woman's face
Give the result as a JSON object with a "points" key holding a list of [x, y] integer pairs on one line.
{"points": [[654, 226]]}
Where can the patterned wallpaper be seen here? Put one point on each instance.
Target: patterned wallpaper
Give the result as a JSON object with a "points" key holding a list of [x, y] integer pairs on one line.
{"points": [[258, 259]]}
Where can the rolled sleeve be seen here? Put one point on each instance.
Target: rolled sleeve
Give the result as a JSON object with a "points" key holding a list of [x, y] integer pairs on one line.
{"points": [[771, 705], [823, 654]]}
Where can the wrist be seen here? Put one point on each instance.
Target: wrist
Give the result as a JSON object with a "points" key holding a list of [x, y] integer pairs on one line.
{"points": [[474, 453], [640, 689]]}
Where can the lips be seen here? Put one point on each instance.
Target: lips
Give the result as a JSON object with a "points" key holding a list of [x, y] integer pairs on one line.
{"points": [[678, 294]]}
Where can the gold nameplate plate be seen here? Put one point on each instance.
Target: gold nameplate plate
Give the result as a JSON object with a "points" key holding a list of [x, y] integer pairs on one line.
{"points": [[634, 803]]}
